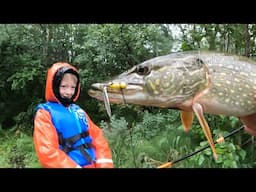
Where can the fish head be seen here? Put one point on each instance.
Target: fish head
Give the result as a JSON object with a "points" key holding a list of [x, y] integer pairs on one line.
{"points": [[164, 81]]}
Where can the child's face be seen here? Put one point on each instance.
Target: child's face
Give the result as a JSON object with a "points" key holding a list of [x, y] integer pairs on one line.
{"points": [[68, 85]]}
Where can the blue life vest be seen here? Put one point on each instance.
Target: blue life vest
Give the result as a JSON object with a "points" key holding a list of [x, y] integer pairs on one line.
{"points": [[72, 129]]}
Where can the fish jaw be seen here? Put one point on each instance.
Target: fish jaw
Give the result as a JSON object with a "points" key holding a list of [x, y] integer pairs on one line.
{"points": [[116, 96], [132, 94]]}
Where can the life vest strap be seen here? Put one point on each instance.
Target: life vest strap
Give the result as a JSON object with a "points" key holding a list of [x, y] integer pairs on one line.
{"points": [[82, 148], [68, 143], [71, 140]]}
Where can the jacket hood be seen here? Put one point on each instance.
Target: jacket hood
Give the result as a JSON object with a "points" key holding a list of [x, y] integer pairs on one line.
{"points": [[52, 71]]}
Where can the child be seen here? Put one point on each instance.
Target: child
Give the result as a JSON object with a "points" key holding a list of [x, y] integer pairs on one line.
{"points": [[64, 135]]}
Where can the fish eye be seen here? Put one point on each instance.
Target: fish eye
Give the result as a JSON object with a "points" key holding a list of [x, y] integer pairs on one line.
{"points": [[142, 70]]}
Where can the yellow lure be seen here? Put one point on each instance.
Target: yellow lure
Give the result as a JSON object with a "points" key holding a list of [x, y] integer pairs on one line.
{"points": [[120, 85]]}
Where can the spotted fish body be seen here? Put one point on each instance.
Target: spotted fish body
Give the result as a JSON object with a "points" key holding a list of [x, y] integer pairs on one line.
{"points": [[174, 80], [194, 82]]}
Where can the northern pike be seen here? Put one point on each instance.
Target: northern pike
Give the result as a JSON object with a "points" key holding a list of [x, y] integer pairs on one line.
{"points": [[192, 82]]}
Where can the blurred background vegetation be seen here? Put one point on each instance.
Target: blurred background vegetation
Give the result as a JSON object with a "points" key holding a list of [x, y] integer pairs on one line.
{"points": [[140, 137]]}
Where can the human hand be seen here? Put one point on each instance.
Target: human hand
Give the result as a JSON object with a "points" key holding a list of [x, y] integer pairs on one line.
{"points": [[78, 166], [249, 122]]}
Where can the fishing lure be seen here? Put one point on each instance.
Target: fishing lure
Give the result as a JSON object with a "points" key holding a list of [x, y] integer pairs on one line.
{"points": [[111, 85]]}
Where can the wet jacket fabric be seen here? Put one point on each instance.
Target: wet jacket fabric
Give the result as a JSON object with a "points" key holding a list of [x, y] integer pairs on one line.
{"points": [[53, 118]]}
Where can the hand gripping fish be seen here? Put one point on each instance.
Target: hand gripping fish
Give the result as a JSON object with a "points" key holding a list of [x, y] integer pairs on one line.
{"points": [[209, 82]]}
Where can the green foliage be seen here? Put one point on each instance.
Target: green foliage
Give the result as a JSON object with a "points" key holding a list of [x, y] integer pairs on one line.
{"points": [[159, 137], [20, 78], [153, 138], [119, 132], [17, 150], [229, 156]]}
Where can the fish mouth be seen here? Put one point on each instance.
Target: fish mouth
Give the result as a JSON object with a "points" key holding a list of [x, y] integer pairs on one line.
{"points": [[102, 92], [96, 89], [131, 94], [96, 92], [116, 94]]}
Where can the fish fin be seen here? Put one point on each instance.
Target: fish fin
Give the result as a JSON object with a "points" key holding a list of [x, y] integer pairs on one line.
{"points": [[186, 119], [198, 109]]}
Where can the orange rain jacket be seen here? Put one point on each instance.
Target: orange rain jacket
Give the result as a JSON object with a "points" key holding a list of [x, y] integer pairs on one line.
{"points": [[46, 138]]}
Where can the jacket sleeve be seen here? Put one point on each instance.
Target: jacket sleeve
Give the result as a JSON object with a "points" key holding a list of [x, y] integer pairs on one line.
{"points": [[46, 143], [103, 151]]}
